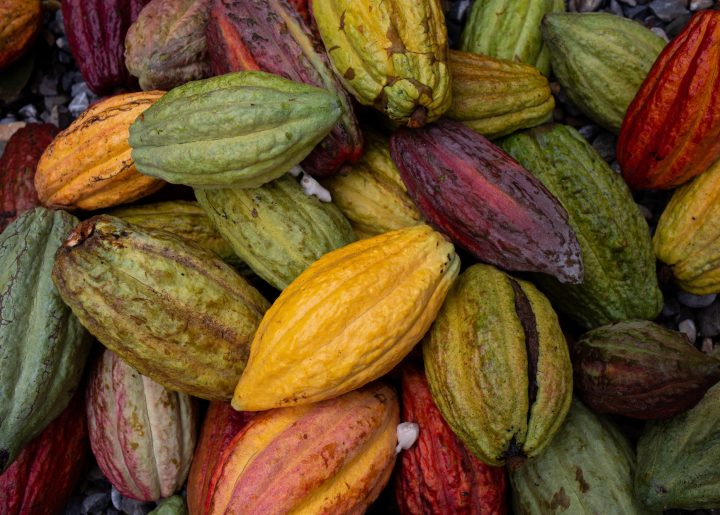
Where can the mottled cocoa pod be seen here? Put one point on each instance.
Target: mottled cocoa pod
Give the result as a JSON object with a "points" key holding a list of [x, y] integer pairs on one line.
{"points": [[485, 201], [640, 369], [438, 475], [17, 170], [269, 35]]}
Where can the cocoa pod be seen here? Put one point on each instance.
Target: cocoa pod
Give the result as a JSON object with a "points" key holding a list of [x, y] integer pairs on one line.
{"points": [[671, 132], [485, 201], [343, 451], [17, 170], [171, 309], [166, 45], [21, 23], [174, 505], [141, 434], [438, 474], [640, 369], [269, 35]]}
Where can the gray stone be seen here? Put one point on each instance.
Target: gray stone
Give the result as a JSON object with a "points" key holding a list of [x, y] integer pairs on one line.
{"points": [[79, 88], [79, 104], [116, 498], [661, 33], [584, 6], [631, 3], [615, 8], [96, 502], [605, 143], [677, 25], [637, 11], [589, 131], [697, 5], [55, 100], [709, 321], [133, 507], [48, 85], [696, 301], [687, 327], [668, 10], [28, 111]]}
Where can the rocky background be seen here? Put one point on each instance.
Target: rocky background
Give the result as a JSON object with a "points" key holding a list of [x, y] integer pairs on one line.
{"points": [[46, 86]]}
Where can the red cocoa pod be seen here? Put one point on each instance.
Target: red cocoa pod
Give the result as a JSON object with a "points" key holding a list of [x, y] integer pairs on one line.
{"points": [[96, 31], [671, 131], [221, 425], [42, 478], [485, 201], [269, 35], [17, 170], [438, 474]]}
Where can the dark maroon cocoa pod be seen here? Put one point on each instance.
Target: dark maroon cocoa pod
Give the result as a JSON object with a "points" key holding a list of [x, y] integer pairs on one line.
{"points": [[485, 201], [640, 369], [438, 475], [17, 170], [270, 35], [96, 33]]}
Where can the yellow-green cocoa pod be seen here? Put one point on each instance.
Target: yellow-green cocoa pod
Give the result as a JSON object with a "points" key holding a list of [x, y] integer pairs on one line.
{"points": [[276, 229], [498, 366], [586, 470], [371, 193], [496, 96], [688, 234], [510, 29], [169, 308], [390, 54]]}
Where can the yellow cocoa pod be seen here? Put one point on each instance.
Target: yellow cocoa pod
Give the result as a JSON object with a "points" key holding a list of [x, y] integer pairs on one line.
{"points": [[390, 54], [347, 319], [88, 165], [688, 234]]}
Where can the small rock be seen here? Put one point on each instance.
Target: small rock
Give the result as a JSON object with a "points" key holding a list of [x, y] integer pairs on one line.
{"points": [[96, 502], [79, 104], [28, 111], [616, 167], [696, 301], [133, 507], [589, 131], [112, 511], [647, 214], [677, 25], [55, 100], [637, 11], [668, 10], [661, 33], [616, 8], [585, 6], [80, 88], [631, 3], [48, 85], [670, 307], [605, 143], [458, 10], [707, 345], [61, 43], [697, 5], [709, 321], [116, 498], [687, 327], [64, 57]]}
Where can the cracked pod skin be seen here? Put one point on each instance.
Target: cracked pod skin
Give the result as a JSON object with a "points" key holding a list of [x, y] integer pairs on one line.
{"points": [[498, 366], [348, 319], [21, 22], [141, 434], [342, 449], [671, 132], [96, 31], [263, 126], [438, 475], [688, 234], [485, 201], [17, 170], [43, 347], [389, 54], [269, 35], [88, 165], [171, 309]]}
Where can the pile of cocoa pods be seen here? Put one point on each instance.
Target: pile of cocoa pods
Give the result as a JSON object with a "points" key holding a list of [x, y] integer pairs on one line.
{"points": [[376, 257]]}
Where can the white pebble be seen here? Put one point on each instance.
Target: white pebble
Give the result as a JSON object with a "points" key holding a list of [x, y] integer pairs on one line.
{"points": [[79, 104], [295, 171], [707, 345], [407, 434], [312, 187], [661, 33], [687, 327], [696, 5]]}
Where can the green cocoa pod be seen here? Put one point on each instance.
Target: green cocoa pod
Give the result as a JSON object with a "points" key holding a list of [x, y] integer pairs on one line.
{"points": [[620, 281], [371, 193], [171, 309], [678, 459], [510, 29], [586, 469], [276, 229], [600, 60], [498, 366], [174, 505], [43, 347], [241, 129]]}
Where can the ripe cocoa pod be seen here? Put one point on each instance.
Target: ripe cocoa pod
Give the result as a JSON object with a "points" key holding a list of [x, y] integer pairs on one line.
{"points": [[587, 469], [17, 170], [688, 234], [22, 20], [88, 165], [264, 126], [677, 459], [438, 474], [276, 229], [371, 193], [671, 131], [496, 97], [485, 201], [640, 369], [166, 46], [96, 34], [498, 366], [343, 451], [43, 347], [390, 54], [221, 425], [619, 281], [171, 309], [347, 319], [141, 434], [47, 470], [510, 29], [600, 60], [269, 35]]}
